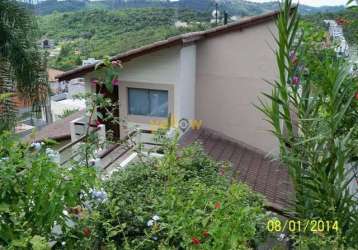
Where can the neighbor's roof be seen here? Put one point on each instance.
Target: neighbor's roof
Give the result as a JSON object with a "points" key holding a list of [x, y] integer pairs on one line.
{"points": [[59, 130], [250, 165], [53, 73], [176, 40]]}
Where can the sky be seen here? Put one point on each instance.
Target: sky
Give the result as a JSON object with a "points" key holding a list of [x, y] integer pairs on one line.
{"points": [[313, 2]]}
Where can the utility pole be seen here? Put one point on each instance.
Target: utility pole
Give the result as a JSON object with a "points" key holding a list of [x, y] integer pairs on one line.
{"points": [[226, 17], [216, 13]]}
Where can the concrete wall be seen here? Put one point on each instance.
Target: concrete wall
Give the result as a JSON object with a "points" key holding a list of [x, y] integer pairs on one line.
{"points": [[157, 67], [158, 70], [185, 88], [230, 73]]}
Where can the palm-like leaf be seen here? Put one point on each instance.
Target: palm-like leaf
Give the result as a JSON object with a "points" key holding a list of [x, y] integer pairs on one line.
{"points": [[19, 52], [319, 154]]}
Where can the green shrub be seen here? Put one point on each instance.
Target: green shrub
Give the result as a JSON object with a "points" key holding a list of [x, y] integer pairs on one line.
{"points": [[34, 192], [177, 202]]}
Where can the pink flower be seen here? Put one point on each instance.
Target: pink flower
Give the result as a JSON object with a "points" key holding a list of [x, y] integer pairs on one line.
{"points": [[217, 205], [195, 241], [98, 122], [115, 82], [86, 232], [117, 63], [222, 172], [293, 57], [94, 82], [296, 80]]}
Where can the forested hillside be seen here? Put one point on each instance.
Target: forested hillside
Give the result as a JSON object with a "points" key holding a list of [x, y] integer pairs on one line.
{"points": [[97, 33], [233, 7], [83, 29]]}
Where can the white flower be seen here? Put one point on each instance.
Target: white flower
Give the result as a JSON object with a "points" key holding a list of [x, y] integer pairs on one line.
{"points": [[53, 155], [56, 230], [281, 237], [94, 162], [4, 159], [65, 212], [99, 195], [36, 146], [63, 243], [156, 218], [150, 223]]}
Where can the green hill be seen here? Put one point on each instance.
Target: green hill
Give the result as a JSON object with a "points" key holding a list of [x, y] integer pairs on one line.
{"points": [[233, 7], [84, 29], [97, 33]]}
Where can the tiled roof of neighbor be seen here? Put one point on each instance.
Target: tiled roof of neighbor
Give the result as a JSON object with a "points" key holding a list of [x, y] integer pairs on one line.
{"points": [[59, 130], [52, 73], [176, 40], [251, 166]]}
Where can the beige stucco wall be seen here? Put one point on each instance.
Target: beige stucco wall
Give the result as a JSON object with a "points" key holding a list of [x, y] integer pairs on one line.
{"points": [[158, 67], [161, 70], [230, 73]]}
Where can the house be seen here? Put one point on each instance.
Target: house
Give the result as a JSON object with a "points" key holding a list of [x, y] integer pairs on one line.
{"points": [[89, 61], [214, 76], [209, 81], [56, 87], [62, 94], [27, 119]]}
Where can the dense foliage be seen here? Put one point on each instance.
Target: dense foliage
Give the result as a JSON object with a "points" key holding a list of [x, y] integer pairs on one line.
{"points": [[111, 32], [34, 192], [178, 201], [141, 23], [175, 202], [233, 7], [22, 66]]}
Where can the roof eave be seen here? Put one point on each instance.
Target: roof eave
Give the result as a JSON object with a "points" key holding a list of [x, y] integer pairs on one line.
{"points": [[180, 40]]}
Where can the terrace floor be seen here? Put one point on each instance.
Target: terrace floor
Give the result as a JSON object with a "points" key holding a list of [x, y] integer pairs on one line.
{"points": [[251, 166]]}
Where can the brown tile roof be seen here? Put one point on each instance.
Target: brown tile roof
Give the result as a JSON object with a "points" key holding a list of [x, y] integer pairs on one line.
{"points": [[52, 73], [250, 165], [177, 40], [59, 130]]}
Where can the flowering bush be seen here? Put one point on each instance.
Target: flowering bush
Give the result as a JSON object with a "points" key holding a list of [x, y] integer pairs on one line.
{"points": [[178, 201], [313, 112], [34, 193]]}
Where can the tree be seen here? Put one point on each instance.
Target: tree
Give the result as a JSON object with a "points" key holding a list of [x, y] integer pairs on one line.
{"points": [[21, 64]]}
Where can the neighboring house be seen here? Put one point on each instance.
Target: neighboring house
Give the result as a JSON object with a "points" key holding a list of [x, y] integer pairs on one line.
{"points": [[63, 93], [28, 120], [212, 79], [56, 86], [336, 33], [47, 43], [58, 130], [89, 61]]}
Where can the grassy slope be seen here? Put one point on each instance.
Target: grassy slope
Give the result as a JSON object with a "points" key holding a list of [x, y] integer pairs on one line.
{"points": [[98, 33]]}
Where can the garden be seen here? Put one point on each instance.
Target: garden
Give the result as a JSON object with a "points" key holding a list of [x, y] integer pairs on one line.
{"points": [[184, 199]]}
